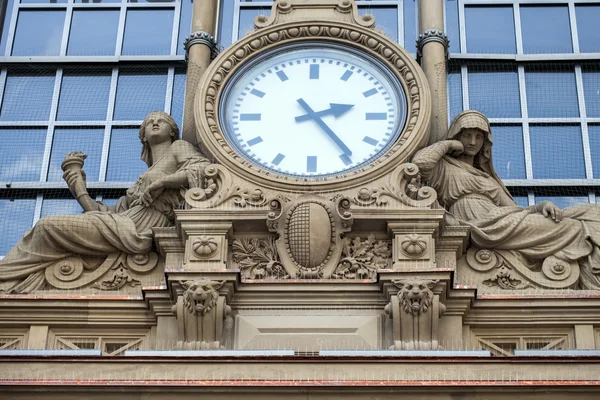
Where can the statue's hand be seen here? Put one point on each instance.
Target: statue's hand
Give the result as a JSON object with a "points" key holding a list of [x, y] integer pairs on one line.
{"points": [[150, 194], [74, 178], [550, 210], [455, 147]]}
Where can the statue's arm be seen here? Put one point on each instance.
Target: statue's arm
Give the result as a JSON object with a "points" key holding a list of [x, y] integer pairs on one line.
{"points": [[426, 159], [190, 166], [78, 187], [189, 173]]}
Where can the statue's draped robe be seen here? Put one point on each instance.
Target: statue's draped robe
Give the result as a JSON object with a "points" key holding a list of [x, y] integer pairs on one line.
{"points": [[475, 198], [125, 228]]}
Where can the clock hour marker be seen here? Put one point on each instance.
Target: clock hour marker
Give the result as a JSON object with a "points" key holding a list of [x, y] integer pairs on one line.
{"points": [[278, 159], [345, 159], [311, 164], [257, 93], [254, 141], [314, 71], [282, 76], [370, 92], [375, 116], [249, 117], [370, 141], [346, 76]]}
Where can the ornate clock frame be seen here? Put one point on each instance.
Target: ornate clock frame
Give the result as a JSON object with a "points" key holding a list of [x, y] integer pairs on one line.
{"points": [[289, 24]]}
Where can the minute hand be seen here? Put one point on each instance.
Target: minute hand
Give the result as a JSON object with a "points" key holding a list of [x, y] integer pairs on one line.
{"points": [[324, 127]]}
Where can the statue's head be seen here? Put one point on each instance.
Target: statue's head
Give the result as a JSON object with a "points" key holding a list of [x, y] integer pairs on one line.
{"points": [[467, 127], [156, 115]]}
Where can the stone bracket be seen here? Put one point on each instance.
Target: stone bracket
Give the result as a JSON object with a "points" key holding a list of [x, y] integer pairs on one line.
{"points": [[415, 311]]}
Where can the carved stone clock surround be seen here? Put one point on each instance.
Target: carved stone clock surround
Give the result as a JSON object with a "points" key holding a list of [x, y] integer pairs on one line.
{"points": [[212, 139]]}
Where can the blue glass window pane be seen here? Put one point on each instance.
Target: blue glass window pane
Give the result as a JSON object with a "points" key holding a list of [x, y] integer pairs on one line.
{"points": [[110, 201], [27, 97], [546, 29], [28, 40], [522, 201], [151, 1], [6, 26], [124, 164], [557, 152], [21, 154], [43, 1], [452, 28], [178, 99], [563, 201], [226, 23], [148, 32], [247, 15], [496, 94], [16, 217], [93, 33], [410, 26], [386, 19], [594, 135], [551, 94], [139, 94], [86, 140], [490, 30], [84, 97], [97, 1], [185, 23], [591, 90], [60, 207], [587, 27], [455, 93], [508, 152]]}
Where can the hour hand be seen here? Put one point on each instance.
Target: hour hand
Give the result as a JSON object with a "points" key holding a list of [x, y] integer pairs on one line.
{"points": [[312, 115], [334, 109]]}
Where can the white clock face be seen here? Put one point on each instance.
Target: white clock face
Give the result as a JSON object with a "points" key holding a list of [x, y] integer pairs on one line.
{"points": [[313, 111]]}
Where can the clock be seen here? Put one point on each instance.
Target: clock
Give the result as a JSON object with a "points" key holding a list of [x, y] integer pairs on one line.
{"points": [[312, 110]]}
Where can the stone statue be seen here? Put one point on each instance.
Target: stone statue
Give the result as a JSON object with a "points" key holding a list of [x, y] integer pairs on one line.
{"points": [[101, 230], [460, 169]]}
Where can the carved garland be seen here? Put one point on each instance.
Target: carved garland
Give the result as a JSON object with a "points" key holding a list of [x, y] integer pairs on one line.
{"points": [[414, 84]]}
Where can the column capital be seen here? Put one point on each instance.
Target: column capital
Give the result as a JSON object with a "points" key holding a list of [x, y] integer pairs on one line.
{"points": [[201, 37], [432, 35]]}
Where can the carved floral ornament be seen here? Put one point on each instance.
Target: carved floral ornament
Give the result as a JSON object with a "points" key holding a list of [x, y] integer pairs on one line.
{"points": [[358, 37]]}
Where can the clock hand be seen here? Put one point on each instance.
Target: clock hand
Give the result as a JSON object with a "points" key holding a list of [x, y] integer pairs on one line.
{"points": [[324, 127], [336, 109]]}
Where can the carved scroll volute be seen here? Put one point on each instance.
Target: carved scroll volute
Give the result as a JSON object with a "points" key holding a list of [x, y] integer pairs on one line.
{"points": [[310, 230], [404, 186], [203, 317], [415, 311]]}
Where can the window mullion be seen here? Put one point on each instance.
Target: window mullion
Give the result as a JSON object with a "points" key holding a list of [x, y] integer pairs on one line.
{"points": [[108, 127], [587, 154]]}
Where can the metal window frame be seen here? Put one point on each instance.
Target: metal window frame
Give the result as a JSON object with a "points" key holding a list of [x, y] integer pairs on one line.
{"points": [[575, 58], [42, 185]]}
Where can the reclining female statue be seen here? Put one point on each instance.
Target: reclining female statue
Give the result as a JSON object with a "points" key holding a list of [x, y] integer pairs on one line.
{"points": [[173, 164], [460, 169]]}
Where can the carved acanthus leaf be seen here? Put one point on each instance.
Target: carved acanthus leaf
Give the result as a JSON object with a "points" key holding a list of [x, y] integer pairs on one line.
{"points": [[119, 279], [362, 258], [505, 280], [258, 258]]}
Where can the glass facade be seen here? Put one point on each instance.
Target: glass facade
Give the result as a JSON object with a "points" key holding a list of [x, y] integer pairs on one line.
{"points": [[532, 66], [99, 67], [80, 76]]}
